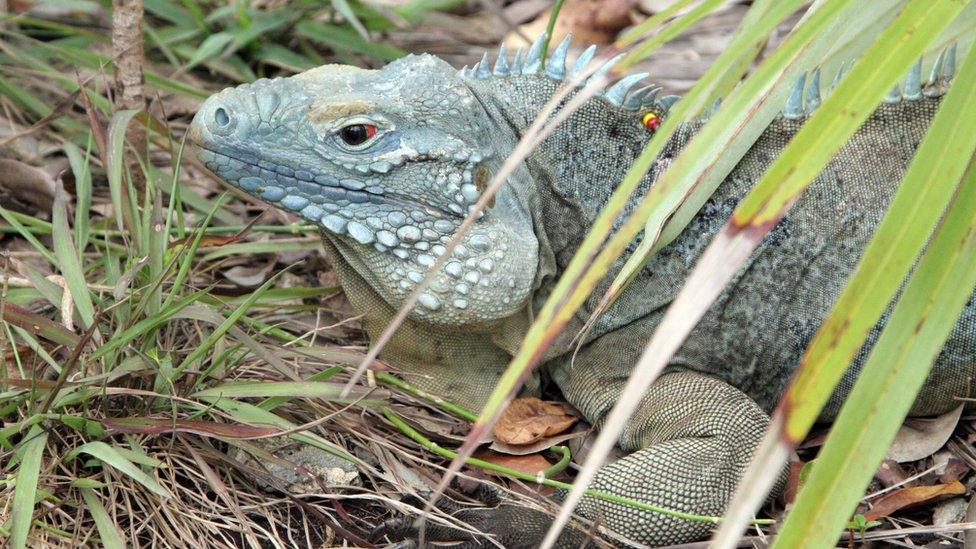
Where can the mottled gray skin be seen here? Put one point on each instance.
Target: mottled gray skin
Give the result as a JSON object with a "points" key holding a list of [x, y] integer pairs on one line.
{"points": [[387, 207]]}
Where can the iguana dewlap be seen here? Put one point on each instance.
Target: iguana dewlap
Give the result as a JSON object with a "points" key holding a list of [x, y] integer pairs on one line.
{"points": [[388, 162]]}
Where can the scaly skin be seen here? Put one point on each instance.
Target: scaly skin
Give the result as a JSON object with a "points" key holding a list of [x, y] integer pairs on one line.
{"points": [[432, 137]]}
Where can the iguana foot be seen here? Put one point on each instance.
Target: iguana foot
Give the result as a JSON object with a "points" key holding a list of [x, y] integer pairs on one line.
{"points": [[494, 523]]}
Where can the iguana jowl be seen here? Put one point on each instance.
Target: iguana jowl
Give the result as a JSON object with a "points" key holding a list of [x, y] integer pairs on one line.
{"points": [[388, 163]]}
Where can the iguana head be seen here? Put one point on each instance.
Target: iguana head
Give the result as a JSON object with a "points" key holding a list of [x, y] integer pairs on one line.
{"points": [[387, 163]]}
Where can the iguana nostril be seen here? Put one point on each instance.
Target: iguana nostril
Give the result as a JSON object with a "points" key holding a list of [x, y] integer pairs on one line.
{"points": [[221, 117]]}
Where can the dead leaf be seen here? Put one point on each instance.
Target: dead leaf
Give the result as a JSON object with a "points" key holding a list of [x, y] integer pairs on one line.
{"points": [[792, 483], [910, 497], [954, 469], [532, 464], [890, 473], [529, 419], [38, 325], [590, 21], [22, 184], [950, 511], [543, 443], [249, 276], [919, 439]]}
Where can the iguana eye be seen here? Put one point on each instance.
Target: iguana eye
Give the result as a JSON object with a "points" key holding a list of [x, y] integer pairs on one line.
{"points": [[357, 134]]}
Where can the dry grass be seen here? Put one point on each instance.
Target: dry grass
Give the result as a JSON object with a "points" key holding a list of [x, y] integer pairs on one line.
{"points": [[108, 337]]}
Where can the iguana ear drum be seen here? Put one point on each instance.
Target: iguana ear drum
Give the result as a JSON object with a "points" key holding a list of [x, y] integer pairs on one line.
{"points": [[481, 178]]}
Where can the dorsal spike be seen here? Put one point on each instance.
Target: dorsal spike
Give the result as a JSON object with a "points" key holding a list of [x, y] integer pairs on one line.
{"points": [[937, 67], [533, 59], [640, 97], [913, 82], [463, 70], [949, 68], [481, 69], [618, 91], [715, 105], [517, 62], [605, 68], [664, 104], [840, 75], [894, 95], [501, 64], [813, 92], [583, 60], [794, 105], [556, 66], [652, 97]]}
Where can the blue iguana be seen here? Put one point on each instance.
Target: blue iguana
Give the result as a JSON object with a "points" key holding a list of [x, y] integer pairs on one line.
{"points": [[388, 162]]}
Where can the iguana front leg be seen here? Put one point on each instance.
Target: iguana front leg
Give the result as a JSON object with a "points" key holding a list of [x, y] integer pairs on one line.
{"points": [[690, 440]]}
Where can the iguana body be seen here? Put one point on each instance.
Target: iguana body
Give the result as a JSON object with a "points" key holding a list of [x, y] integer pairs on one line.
{"points": [[389, 161]]}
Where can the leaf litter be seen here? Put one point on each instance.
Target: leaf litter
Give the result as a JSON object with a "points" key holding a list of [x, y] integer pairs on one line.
{"points": [[147, 415]]}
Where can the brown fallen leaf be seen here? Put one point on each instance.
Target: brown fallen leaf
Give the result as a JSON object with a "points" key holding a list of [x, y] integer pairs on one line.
{"points": [[540, 445], [39, 325], [889, 473], [532, 464], [590, 21], [919, 439], [954, 469], [792, 482], [527, 420], [22, 185], [910, 497]]}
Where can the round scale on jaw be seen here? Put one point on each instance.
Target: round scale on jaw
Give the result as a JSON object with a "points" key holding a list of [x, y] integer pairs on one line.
{"points": [[294, 203], [250, 184], [334, 223], [396, 218], [387, 238], [360, 233], [480, 242], [312, 212], [429, 301], [273, 194], [470, 193], [408, 233], [453, 268]]}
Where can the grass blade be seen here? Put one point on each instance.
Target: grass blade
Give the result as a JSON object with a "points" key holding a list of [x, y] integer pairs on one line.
{"points": [[306, 389], [840, 115], [219, 332], [69, 262], [124, 216], [26, 489], [110, 536], [110, 455], [38, 325], [895, 371], [925, 192]]}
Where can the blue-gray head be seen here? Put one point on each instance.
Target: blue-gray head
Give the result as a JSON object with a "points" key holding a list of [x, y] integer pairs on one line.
{"points": [[387, 163]]}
